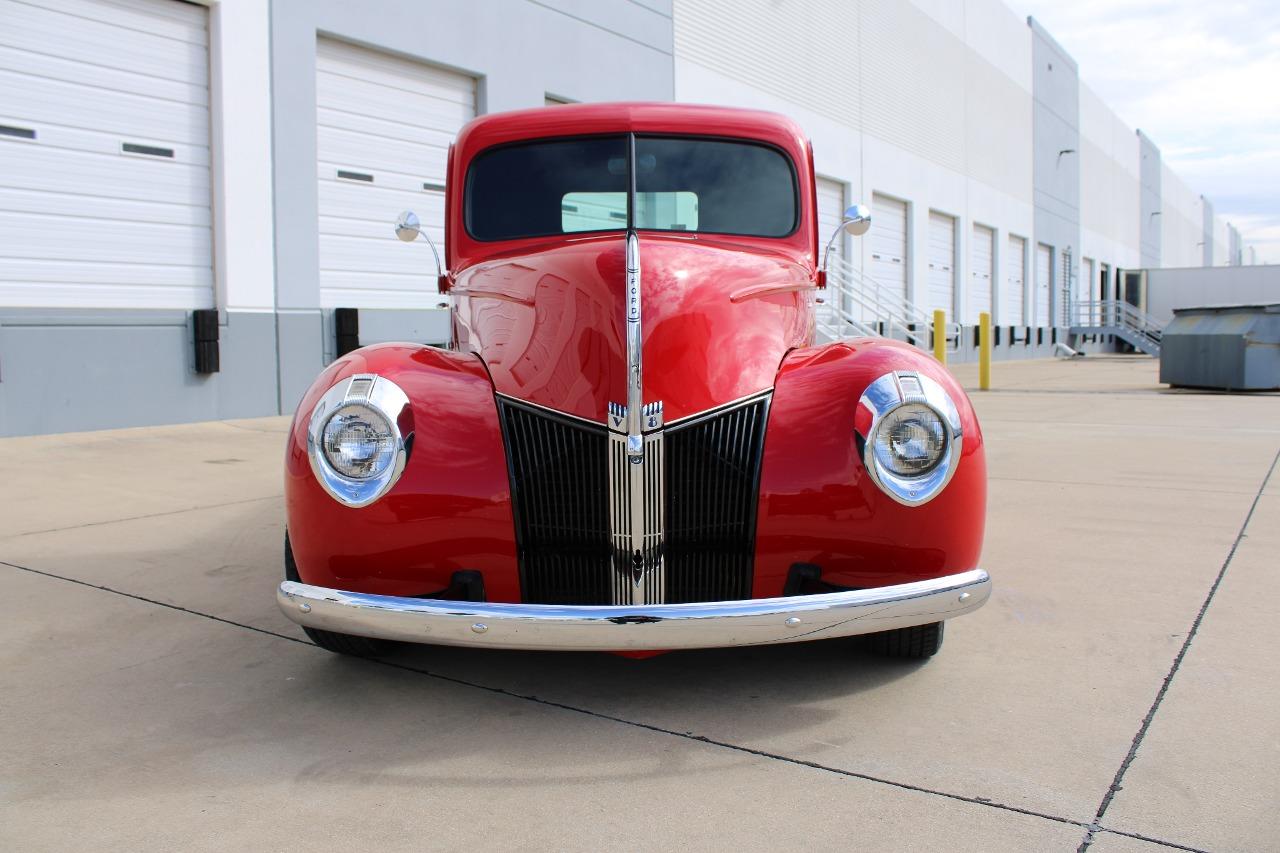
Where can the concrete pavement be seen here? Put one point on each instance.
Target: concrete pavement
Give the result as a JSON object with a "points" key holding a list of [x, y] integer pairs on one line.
{"points": [[152, 696]]}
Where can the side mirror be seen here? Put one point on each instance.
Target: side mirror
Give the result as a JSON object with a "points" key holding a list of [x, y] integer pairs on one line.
{"points": [[408, 227], [857, 220]]}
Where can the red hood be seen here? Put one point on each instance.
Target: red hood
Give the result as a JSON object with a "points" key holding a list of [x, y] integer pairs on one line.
{"points": [[717, 318]]}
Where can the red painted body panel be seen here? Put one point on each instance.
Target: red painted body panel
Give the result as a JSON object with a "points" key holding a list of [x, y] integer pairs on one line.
{"points": [[450, 510], [542, 320], [718, 318], [817, 503]]}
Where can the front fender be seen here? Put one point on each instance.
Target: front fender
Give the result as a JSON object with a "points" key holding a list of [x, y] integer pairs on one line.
{"points": [[450, 509], [817, 503]]}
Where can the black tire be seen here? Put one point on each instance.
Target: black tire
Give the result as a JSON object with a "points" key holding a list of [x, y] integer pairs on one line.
{"points": [[915, 643], [342, 644]]}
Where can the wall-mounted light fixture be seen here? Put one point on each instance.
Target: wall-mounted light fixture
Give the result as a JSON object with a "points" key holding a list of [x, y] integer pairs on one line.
{"points": [[1065, 151]]}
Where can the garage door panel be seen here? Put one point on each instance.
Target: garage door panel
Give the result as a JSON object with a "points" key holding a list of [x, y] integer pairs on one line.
{"points": [[132, 116], [33, 236], [33, 168], [124, 294], [374, 254], [355, 205], [830, 212], [346, 149], [338, 122], [104, 207], [415, 113], [84, 146], [942, 263], [393, 72], [981, 276], [84, 39], [392, 119], [172, 20], [1044, 283], [72, 72], [87, 76], [887, 244], [1015, 294], [97, 275]]}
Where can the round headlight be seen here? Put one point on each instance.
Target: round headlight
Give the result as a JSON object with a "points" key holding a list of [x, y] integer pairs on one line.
{"points": [[911, 440], [359, 438], [358, 442], [910, 436]]}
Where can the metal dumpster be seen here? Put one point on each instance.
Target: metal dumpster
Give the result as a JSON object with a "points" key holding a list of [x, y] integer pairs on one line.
{"points": [[1232, 347]]}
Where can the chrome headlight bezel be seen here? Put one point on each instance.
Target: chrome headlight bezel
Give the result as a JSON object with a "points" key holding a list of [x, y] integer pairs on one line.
{"points": [[889, 393], [384, 399]]}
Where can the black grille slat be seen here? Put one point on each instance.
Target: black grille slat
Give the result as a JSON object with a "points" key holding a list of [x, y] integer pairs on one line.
{"points": [[559, 470], [713, 477], [559, 495]]}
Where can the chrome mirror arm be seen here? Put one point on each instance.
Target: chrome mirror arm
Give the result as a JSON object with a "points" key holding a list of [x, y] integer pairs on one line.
{"points": [[856, 222], [409, 228]]}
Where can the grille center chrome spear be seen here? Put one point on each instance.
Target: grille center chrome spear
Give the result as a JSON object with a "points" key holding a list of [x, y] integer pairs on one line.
{"points": [[637, 496], [635, 385]]}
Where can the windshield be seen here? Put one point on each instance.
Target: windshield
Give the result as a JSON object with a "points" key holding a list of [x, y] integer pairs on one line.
{"points": [[570, 186]]}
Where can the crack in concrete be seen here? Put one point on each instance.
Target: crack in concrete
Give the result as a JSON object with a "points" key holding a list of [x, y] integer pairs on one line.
{"points": [[1116, 785], [1091, 829]]}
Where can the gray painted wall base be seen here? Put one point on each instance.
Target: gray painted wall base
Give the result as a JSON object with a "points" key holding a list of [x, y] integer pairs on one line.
{"points": [[66, 370]]}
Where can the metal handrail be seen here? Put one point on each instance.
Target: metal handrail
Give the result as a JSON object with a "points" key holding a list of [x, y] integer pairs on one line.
{"points": [[1116, 313], [880, 306]]}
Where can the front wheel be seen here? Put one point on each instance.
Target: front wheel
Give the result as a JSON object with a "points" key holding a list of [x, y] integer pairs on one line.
{"points": [[916, 642], [331, 641]]}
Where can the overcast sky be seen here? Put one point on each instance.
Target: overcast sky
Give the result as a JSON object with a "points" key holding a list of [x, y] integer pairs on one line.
{"points": [[1202, 79]]}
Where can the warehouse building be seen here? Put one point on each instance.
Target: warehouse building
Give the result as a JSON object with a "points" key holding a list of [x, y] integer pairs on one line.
{"points": [[190, 193]]}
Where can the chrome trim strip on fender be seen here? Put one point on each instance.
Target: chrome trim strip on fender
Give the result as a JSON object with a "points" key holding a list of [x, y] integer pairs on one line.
{"points": [[645, 627]]}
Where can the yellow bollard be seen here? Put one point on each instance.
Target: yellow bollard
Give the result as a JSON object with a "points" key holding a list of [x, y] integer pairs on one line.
{"points": [[984, 351], [940, 336]]}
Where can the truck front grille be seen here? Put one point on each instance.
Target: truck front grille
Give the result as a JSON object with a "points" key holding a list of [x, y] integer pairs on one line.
{"points": [[561, 501]]}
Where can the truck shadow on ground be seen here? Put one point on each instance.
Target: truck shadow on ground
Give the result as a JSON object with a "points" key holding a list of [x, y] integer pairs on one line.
{"points": [[786, 700]]}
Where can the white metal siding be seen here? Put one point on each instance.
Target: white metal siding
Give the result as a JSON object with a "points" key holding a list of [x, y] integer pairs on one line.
{"points": [[385, 123], [887, 242], [1044, 281], [942, 263], [1013, 305], [88, 77], [981, 271]]}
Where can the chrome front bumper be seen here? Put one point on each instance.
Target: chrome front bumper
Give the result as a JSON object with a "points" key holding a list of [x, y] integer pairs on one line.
{"points": [[645, 627]]}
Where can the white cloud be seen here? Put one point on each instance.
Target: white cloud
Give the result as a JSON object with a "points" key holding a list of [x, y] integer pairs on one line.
{"points": [[1202, 80]]}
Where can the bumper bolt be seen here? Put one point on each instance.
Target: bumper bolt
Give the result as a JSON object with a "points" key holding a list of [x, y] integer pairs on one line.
{"points": [[792, 622], [304, 607], [479, 627], [964, 596]]}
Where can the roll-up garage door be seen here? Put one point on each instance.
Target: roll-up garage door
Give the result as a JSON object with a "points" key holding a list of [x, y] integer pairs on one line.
{"points": [[384, 125], [830, 213], [981, 272], [1044, 283], [1013, 305], [887, 242], [104, 154], [942, 263]]}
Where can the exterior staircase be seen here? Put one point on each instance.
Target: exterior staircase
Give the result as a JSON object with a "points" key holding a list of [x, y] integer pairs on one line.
{"points": [[856, 305], [1118, 318]]}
